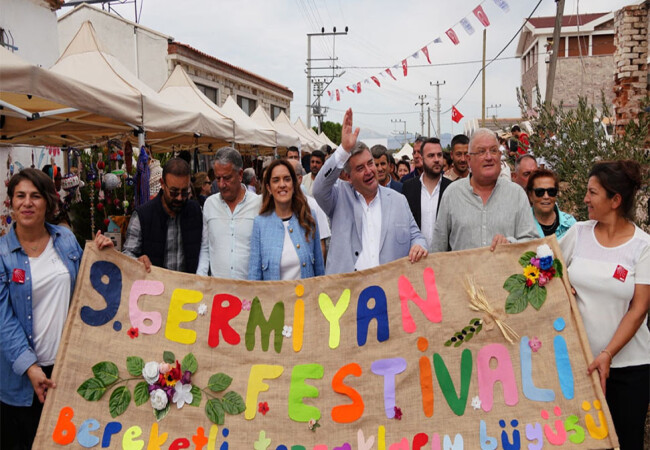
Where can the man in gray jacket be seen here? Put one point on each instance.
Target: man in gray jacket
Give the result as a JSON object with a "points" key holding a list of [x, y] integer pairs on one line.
{"points": [[371, 224]]}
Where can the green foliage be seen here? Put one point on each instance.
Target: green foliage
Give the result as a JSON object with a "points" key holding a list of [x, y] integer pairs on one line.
{"points": [[92, 389], [219, 382], [169, 357], [573, 139], [214, 411], [189, 363], [120, 399], [106, 372], [332, 130], [141, 393], [134, 365]]}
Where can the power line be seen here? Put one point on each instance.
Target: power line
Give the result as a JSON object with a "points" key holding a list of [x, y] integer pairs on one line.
{"points": [[457, 63]]}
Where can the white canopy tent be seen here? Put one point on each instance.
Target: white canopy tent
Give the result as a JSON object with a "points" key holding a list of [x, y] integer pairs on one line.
{"points": [[406, 150], [302, 128], [259, 135], [283, 124], [283, 138], [165, 124], [327, 140]]}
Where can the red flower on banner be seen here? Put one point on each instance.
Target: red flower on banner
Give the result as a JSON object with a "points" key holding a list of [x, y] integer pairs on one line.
{"points": [[425, 50], [133, 333], [481, 16], [452, 36], [405, 66], [376, 81], [456, 116], [391, 74], [263, 407]]}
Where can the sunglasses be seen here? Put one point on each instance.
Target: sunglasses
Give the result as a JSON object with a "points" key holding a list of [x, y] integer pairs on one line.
{"points": [[539, 192]]}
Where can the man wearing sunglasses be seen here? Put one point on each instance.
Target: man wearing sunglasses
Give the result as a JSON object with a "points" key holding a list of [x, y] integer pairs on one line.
{"points": [[483, 209], [166, 231]]}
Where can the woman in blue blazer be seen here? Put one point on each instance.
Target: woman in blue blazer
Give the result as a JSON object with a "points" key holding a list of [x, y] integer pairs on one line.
{"points": [[285, 243]]}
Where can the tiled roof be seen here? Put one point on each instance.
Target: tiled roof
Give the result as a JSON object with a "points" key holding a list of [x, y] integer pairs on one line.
{"points": [[567, 21], [180, 48]]}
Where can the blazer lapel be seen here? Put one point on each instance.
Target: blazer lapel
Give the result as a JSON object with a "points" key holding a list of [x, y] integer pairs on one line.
{"points": [[384, 197]]}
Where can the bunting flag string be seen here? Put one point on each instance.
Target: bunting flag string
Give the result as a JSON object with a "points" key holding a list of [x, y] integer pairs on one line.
{"points": [[479, 14]]}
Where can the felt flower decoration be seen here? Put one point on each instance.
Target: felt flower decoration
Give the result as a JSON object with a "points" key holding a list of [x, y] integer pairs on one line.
{"points": [[476, 402], [246, 305], [398, 413], [158, 399], [535, 344], [150, 372], [263, 407], [182, 395], [531, 273], [133, 332], [203, 308], [313, 424], [286, 331]]}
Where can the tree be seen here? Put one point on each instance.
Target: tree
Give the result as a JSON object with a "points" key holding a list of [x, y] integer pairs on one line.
{"points": [[332, 130], [571, 140]]}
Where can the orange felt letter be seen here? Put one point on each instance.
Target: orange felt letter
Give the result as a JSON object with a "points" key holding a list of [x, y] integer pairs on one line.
{"points": [[347, 413]]}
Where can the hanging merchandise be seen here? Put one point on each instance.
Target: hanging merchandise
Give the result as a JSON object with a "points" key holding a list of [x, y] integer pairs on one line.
{"points": [[142, 178], [155, 177], [128, 156], [111, 181]]}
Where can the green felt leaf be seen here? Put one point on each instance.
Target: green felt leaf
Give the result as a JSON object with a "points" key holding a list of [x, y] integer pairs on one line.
{"points": [[233, 403], [516, 281], [196, 396], [219, 382], [134, 364], [119, 401], [448, 343], [525, 258], [92, 389], [160, 415], [557, 265], [169, 357], [141, 393], [214, 411], [537, 296], [516, 301], [107, 372], [189, 363]]}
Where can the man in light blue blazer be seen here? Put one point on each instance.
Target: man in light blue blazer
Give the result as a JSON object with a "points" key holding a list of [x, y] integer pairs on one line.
{"points": [[371, 224]]}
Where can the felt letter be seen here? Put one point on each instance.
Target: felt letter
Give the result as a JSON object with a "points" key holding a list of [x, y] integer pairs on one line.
{"points": [[199, 438], [599, 431], [333, 314], [64, 431], [531, 391], [275, 324], [571, 424], [298, 324], [534, 433], [557, 437], [429, 307], [457, 403], [388, 368], [351, 412], [488, 377], [516, 438], [401, 445], [256, 384], [156, 440], [456, 445], [84, 437], [219, 318], [563, 364], [179, 444], [111, 291], [381, 438], [426, 379], [362, 444], [178, 315], [111, 429], [435, 441], [487, 442], [420, 440], [365, 315], [262, 442], [138, 317], [128, 440], [298, 390], [212, 437]]}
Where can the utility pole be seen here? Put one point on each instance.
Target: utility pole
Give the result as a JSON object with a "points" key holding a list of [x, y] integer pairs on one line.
{"points": [[437, 85], [400, 121], [309, 69], [550, 81], [422, 103], [483, 79], [495, 107], [429, 122]]}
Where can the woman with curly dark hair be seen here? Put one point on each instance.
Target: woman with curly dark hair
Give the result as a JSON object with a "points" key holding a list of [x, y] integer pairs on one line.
{"points": [[285, 243], [608, 261]]}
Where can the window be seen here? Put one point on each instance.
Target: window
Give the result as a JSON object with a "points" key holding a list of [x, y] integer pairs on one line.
{"points": [[248, 105], [276, 110], [210, 92]]}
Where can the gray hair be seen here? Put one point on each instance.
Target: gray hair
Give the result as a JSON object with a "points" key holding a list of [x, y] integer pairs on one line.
{"points": [[248, 176], [358, 148], [480, 133], [521, 158], [228, 155]]}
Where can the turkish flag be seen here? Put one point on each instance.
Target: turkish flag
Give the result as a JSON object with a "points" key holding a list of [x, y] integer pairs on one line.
{"points": [[456, 116], [481, 16], [359, 87], [376, 81], [425, 50], [453, 36], [405, 66], [391, 74]]}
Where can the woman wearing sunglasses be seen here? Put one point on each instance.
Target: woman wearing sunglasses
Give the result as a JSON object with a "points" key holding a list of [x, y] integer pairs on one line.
{"points": [[542, 192]]}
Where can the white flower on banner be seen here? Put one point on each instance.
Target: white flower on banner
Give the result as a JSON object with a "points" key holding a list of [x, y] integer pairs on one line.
{"points": [[183, 394], [158, 399], [150, 372], [286, 331], [476, 403]]}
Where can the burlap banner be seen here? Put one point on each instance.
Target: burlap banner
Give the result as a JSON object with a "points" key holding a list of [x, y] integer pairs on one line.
{"points": [[401, 356]]}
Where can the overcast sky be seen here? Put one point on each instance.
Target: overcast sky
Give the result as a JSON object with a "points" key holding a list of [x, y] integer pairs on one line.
{"points": [[270, 39]]}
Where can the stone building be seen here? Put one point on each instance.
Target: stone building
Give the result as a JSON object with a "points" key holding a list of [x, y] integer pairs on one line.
{"points": [[585, 59], [631, 59], [152, 56]]}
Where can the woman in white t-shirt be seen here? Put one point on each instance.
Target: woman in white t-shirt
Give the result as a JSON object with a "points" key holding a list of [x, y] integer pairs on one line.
{"points": [[608, 261]]}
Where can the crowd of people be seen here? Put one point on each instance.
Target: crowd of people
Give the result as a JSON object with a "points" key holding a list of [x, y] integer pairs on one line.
{"points": [[356, 209]]}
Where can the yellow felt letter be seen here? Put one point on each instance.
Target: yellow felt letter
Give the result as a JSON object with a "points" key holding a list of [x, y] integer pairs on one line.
{"points": [[177, 315], [333, 314], [256, 384], [128, 442], [156, 441]]}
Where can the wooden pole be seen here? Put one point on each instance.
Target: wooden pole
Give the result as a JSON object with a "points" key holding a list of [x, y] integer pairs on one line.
{"points": [[483, 79], [550, 80]]}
